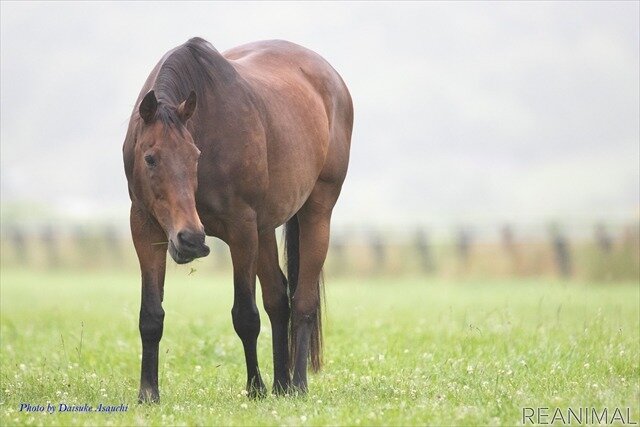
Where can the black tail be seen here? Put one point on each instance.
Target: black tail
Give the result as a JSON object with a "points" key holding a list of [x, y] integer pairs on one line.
{"points": [[292, 244]]}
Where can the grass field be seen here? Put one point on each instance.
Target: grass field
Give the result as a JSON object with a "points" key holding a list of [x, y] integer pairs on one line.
{"points": [[397, 352]]}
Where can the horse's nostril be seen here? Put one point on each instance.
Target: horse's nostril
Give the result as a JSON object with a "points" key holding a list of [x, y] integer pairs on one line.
{"points": [[190, 239], [184, 238]]}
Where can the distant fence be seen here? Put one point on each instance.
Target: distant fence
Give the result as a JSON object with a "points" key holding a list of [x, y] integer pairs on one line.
{"points": [[604, 253]]}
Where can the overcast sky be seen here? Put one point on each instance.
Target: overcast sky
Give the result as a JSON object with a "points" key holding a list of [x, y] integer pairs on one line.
{"points": [[463, 111]]}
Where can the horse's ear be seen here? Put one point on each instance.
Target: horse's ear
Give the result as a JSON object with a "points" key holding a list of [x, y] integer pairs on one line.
{"points": [[186, 109], [148, 107]]}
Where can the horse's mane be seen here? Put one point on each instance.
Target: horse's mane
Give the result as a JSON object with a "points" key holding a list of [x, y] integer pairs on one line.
{"points": [[196, 65]]}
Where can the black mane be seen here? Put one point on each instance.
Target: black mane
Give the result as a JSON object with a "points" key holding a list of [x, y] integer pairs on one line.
{"points": [[196, 65]]}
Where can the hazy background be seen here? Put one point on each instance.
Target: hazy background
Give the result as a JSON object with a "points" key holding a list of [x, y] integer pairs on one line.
{"points": [[471, 113]]}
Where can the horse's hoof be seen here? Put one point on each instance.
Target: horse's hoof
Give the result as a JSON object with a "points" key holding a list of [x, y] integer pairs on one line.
{"points": [[148, 396], [256, 390], [298, 389], [280, 389]]}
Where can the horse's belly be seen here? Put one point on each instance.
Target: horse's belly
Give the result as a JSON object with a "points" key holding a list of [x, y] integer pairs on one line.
{"points": [[279, 209], [293, 171]]}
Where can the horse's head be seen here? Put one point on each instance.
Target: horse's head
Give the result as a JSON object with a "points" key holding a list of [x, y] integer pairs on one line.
{"points": [[165, 174]]}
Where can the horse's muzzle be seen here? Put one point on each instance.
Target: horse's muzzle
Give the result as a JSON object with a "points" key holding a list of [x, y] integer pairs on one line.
{"points": [[187, 246]]}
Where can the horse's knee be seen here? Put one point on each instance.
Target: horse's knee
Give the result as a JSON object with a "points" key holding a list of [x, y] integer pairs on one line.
{"points": [[246, 319], [151, 324]]}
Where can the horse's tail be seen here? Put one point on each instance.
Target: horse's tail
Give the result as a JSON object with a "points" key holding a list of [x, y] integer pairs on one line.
{"points": [[292, 243]]}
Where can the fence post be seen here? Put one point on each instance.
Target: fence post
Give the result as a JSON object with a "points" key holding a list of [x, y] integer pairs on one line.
{"points": [[50, 243], [379, 251], [463, 246], [19, 242], [423, 245], [511, 249], [603, 239], [562, 252]]}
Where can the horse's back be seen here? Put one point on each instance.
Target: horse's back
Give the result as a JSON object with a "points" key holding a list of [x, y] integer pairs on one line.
{"points": [[277, 64], [270, 56]]}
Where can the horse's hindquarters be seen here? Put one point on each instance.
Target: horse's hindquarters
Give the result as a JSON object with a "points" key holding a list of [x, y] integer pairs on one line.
{"points": [[306, 113]]}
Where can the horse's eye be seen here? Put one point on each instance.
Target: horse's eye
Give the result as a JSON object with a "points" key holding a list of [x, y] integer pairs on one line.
{"points": [[150, 160]]}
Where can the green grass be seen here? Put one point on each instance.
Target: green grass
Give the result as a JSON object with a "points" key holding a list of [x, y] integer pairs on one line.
{"points": [[397, 352]]}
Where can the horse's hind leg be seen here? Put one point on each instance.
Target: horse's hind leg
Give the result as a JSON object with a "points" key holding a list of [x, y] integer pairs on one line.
{"points": [[314, 223], [148, 238], [276, 304]]}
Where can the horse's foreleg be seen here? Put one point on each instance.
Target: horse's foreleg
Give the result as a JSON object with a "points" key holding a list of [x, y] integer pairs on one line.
{"points": [[276, 304], [148, 238], [243, 244]]}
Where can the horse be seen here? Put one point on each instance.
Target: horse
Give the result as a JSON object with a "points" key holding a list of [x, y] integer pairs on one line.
{"points": [[234, 145]]}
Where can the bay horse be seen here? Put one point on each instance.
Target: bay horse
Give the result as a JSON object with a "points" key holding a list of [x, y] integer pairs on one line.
{"points": [[234, 145]]}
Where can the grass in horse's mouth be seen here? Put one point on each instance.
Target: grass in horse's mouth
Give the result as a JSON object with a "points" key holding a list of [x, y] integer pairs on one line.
{"points": [[159, 243]]}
